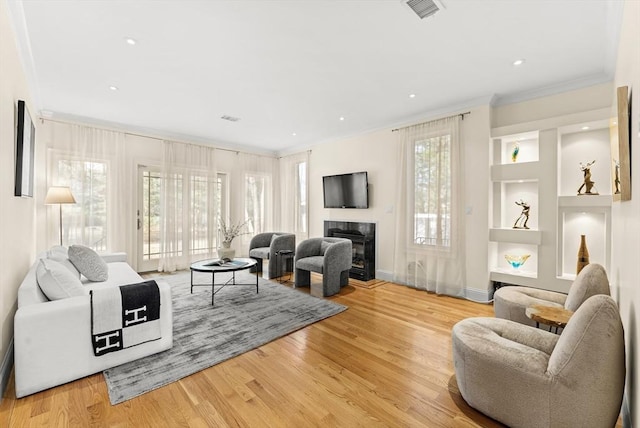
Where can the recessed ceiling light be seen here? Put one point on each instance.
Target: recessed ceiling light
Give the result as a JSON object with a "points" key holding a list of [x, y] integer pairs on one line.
{"points": [[518, 62], [584, 128], [294, 134], [341, 117], [130, 41], [412, 95], [113, 88]]}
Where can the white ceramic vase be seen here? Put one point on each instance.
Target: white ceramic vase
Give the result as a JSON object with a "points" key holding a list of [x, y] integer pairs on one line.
{"points": [[226, 252]]}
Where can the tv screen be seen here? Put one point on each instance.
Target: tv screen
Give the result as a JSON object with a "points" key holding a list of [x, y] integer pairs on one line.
{"points": [[346, 190]]}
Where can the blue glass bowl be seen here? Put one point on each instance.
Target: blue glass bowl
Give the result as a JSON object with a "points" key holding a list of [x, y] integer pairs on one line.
{"points": [[516, 261]]}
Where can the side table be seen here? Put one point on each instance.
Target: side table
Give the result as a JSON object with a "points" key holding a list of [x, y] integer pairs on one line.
{"points": [[552, 316], [284, 260]]}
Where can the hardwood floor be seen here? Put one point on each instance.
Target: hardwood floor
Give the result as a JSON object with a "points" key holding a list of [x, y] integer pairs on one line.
{"points": [[386, 361]]}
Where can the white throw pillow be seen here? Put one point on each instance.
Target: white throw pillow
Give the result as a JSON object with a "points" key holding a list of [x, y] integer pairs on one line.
{"points": [[89, 263], [60, 254], [56, 282]]}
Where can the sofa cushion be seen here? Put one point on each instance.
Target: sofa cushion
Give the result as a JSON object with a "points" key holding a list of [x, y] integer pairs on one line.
{"points": [[313, 263], [89, 263], [60, 254], [56, 281], [260, 253]]}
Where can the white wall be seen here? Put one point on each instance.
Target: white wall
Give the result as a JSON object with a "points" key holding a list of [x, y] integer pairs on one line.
{"points": [[17, 219], [625, 254], [376, 153]]}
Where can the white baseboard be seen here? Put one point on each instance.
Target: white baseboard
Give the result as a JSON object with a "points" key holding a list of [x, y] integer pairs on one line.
{"points": [[474, 294], [384, 275], [480, 296], [5, 369]]}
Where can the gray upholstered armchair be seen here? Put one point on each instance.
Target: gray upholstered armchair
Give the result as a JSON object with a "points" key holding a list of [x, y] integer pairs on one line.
{"points": [[266, 245], [330, 257], [512, 302], [527, 377]]}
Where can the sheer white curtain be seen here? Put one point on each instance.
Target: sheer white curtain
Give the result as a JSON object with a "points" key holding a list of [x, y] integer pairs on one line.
{"points": [[93, 163], [253, 197], [189, 200], [294, 216], [429, 245]]}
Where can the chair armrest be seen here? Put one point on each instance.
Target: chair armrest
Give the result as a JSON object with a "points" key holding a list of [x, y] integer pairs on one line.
{"points": [[282, 242], [506, 347], [338, 256]]}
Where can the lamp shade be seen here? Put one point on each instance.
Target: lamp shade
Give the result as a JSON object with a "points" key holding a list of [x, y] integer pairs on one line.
{"points": [[59, 195]]}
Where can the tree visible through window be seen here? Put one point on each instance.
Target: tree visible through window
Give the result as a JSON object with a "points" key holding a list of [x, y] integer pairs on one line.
{"points": [[432, 192], [85, 222]]}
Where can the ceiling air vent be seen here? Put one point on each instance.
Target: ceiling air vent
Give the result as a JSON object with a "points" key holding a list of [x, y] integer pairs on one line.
{"points": [[423, 8], [230, 118]]}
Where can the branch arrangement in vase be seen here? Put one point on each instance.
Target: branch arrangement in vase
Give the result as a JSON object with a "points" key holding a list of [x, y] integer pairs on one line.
{"points": [[230, 230]]}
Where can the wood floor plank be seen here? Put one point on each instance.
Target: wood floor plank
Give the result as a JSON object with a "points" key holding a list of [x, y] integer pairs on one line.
{"points": [[386, 361]]}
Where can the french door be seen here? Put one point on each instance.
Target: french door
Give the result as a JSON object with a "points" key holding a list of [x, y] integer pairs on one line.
{"points": [[195, 202]]}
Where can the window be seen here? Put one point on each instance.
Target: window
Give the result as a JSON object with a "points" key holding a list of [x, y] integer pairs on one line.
{"points": [[85, 222], [432, 192], [300, 203], [256, 199]]}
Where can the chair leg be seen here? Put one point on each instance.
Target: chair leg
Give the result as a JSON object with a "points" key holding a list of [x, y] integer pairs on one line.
{"points": [[303, 278]]}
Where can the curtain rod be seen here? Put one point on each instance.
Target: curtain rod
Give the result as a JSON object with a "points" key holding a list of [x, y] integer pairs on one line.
{"points": [[447, 117], [154, 137]]}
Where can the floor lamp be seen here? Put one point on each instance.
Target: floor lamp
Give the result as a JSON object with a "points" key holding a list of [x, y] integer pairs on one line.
{"points": [[59, 195]]}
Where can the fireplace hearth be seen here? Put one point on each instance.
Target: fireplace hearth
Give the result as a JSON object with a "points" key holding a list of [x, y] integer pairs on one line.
{"points": [[363, 238]]}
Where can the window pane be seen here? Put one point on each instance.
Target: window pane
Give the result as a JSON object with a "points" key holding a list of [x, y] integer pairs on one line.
{"points": [[432, 191], [255, 203], [301, 197], [152, 183], [85, 222], [202, 229]]}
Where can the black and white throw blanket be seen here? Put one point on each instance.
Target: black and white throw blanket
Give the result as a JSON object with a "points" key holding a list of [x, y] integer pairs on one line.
{"points": [[124, 316]]}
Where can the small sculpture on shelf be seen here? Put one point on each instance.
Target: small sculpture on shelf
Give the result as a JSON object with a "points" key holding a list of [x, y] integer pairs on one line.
{"points": [[516, 261], [521, 221], [583, 254], [587, 183], [514, 152]]}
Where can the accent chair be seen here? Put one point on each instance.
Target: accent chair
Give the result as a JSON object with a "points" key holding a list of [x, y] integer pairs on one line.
{"points": [[266, 245], [512, 302], [330, 257], [527, 377]]}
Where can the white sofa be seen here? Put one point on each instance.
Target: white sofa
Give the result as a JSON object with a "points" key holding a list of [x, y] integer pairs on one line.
{"points": [[52, 339]]}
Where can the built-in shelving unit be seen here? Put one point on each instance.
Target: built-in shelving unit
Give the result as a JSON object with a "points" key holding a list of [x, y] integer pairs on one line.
{"points": [[584, 214], [547, 175]]}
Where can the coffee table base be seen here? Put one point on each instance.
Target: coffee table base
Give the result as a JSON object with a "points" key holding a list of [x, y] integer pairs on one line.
{"points": [[213, 285]]}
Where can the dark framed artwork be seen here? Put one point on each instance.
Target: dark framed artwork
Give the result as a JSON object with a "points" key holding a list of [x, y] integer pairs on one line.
{"points": [[25, 145]]}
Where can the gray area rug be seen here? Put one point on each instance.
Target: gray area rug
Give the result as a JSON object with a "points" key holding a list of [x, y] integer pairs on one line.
{"points": [[205, 335]]}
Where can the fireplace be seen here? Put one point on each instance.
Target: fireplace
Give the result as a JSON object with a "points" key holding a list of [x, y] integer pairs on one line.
{"points": [[363, 238]]}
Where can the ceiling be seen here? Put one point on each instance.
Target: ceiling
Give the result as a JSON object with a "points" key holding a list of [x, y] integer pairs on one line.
{"points": [[297, 67]]}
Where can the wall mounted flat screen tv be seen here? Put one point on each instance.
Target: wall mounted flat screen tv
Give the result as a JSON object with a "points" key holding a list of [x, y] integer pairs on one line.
{"points": [[346, 190]]}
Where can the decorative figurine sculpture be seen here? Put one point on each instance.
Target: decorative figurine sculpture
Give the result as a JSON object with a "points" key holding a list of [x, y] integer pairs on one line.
{"points": [[587, 184], [524, 215]]}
